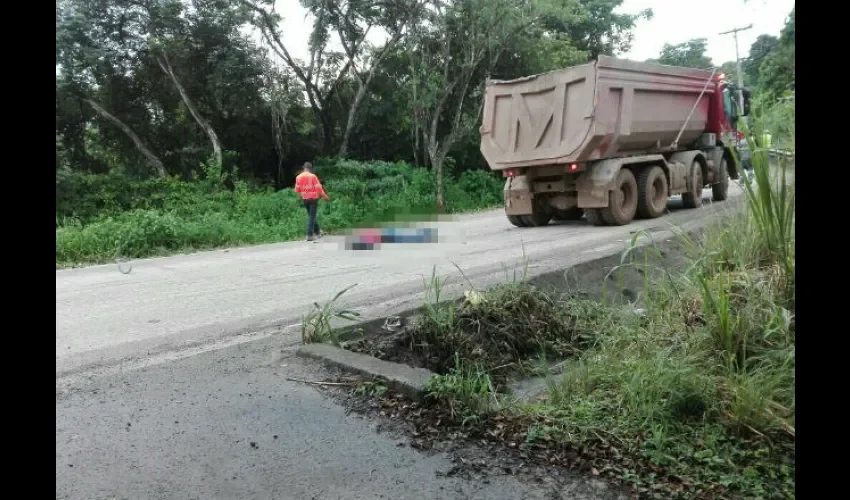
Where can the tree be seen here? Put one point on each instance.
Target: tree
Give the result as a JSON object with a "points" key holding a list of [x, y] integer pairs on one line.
{"points": [[171, 71], [759, 50], [153, 159], [690, 54], [321, 76], [592, 26], [777, 72], [730, 69], [105, 54], [353, 20], [165, 64], [451, 55]]}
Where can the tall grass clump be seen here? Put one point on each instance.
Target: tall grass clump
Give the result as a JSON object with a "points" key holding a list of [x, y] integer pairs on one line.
{"points": [[318, 325], [502, 328], [466, 389], [697, 397]]}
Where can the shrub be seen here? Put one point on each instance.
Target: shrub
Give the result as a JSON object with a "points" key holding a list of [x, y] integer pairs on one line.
{"points": [[99, 217]]}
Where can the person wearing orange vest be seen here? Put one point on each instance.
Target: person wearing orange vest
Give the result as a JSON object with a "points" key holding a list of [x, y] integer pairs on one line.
{"points": [[308, 186]]}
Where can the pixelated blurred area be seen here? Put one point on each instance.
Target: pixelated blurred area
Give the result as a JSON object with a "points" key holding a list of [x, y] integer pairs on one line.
{"points": [[373, 238]]}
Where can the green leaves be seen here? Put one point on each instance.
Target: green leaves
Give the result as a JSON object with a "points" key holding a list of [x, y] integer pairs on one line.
{"points": [[690, 54]]}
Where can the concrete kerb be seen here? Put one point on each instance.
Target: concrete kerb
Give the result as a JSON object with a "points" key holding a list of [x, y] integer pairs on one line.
{"points": [[588, 278], [401, 378]]}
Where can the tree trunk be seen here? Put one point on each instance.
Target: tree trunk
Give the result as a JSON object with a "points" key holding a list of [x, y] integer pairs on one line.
{"points": [[438, 173], [166, 67], [437, 159], [154, 160], [352, 115], [362, 84], [327, 126]]}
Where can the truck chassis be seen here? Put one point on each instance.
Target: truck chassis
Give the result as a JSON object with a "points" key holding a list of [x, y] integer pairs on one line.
{"points": [[614, 191]]}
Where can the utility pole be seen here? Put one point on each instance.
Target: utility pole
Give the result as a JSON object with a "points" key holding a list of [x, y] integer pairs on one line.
{"points": [[734, 33]]}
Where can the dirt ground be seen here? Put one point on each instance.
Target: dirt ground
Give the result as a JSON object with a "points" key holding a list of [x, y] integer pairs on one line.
{"points": [[496, 448], [619, 279], [476, 457]]}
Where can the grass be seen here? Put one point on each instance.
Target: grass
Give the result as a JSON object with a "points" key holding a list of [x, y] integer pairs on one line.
{"points": [[500, 329], [318, 326], [694, 398], [466, 388], [101, 218]]}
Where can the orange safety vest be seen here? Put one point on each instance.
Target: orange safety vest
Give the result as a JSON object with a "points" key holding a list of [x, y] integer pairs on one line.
{"points": [[308, 185]]}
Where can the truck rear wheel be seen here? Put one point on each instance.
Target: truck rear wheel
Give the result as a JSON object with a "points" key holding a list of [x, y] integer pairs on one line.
{"points": [[720, 189], [573, 213], [594, 216], [693, 198], [537, 219], [516, 220], [652, 192], [623, 200], [541, 214]]}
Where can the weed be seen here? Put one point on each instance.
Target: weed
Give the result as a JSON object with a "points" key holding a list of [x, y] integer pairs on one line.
{"points": [[439, 314], [371, 389], [317, 323], [502, 328], [466, 389]]}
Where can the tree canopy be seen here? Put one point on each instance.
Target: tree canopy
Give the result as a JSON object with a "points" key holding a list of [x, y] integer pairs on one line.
{"points": [[769, 67], [689, 54], [160, 87]]}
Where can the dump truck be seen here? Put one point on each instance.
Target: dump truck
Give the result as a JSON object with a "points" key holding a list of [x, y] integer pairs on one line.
{"points": [[611, 140]]}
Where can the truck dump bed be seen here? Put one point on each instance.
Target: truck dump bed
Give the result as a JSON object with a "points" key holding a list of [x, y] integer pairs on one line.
{"points": [[608, 108]]}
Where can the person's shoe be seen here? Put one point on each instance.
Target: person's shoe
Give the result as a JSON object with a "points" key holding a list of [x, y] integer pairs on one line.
{"points": [[309, 239], [320, 235]]}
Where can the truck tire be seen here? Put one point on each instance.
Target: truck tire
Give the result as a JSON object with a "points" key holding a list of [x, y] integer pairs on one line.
{"points": [[541, 214], [623, 200], [594, 216], [693, 198], [720, 189], [652, 192], [537, 219], [516, 220], [573, 213]]}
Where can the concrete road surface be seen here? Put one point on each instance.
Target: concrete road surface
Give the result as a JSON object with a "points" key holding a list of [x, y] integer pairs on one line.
{"points": [[104, 316], [171, 401], [231, 424]]}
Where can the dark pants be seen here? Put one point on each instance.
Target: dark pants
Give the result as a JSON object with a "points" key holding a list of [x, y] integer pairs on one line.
{"points": [[312, 207]]}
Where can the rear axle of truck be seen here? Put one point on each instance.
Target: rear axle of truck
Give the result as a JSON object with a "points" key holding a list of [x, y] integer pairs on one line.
{"points": [[614, 191]]}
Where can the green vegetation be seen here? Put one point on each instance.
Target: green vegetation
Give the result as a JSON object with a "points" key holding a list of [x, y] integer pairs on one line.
{"points": [[176, 129], [693, 398], [101, 217], [317, 325], [693, 395], [501, 329], [157, 151]]}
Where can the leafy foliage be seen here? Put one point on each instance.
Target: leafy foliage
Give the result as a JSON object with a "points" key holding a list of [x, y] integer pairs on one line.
{"points": [[692, 398], [101, 216], [776, 74], [276, 113], [690, 54]]}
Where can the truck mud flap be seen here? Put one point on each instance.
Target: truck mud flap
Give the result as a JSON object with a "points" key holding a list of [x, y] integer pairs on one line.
{"points": [[517, 196], [593, 198]]}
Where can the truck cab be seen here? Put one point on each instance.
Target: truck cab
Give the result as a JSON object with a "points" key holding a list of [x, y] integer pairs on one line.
{"points": [[732, 110]]}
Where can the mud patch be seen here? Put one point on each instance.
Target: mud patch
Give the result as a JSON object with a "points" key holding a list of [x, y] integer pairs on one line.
{"points": [[618, 280]]}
